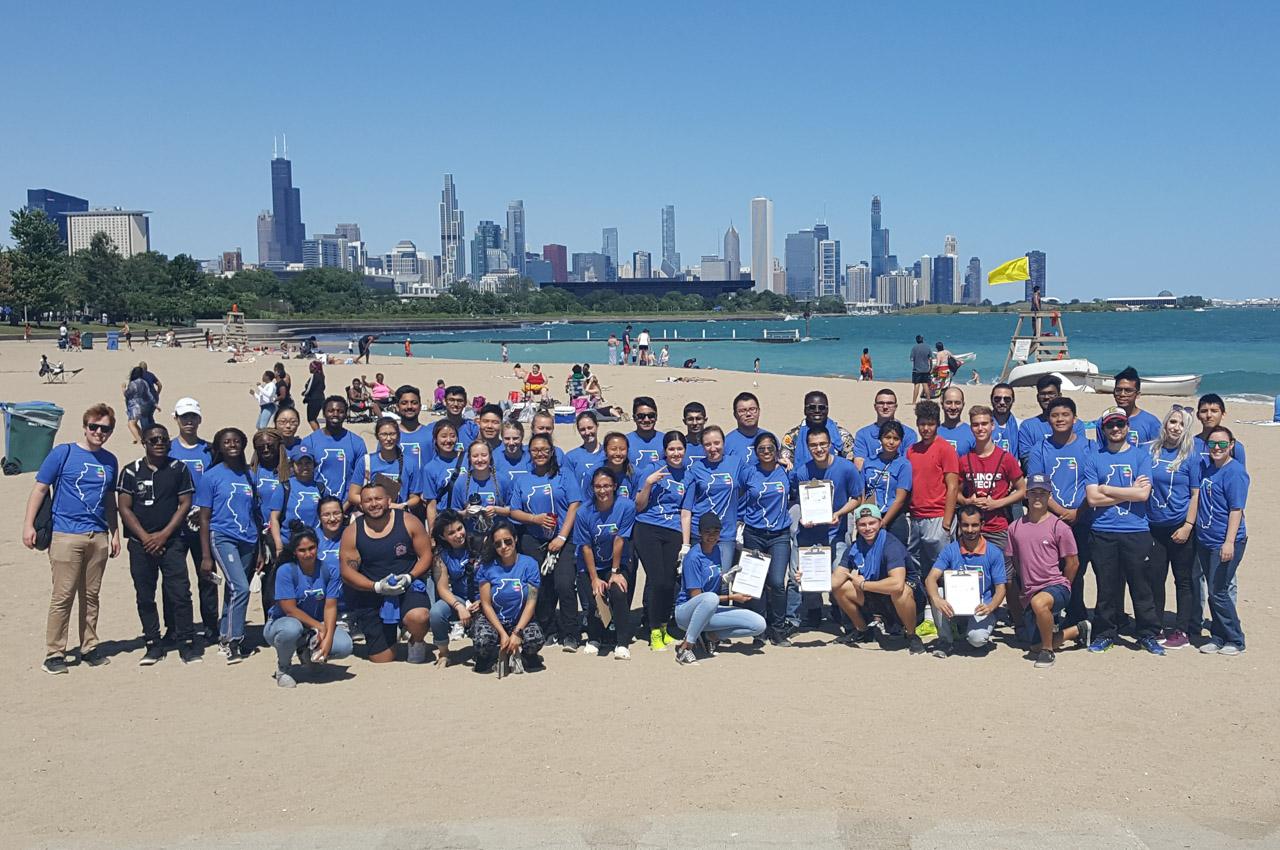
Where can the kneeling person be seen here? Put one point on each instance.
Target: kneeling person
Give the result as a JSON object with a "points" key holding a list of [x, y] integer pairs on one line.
{"points": [[971, 552], [509, 585], [876, 577], [304, 618], [698, 607]]}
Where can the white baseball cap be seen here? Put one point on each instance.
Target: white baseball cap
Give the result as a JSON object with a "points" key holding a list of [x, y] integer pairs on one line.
{"points": [[186, 405]]}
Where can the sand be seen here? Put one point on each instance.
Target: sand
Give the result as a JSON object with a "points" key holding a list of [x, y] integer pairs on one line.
{"points": [[817, 745]]}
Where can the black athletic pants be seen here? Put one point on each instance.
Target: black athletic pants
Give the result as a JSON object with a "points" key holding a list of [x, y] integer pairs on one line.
{"points": [[170, 569], [1120, 558], [1167, 553], [659, 550], [557, 607]]}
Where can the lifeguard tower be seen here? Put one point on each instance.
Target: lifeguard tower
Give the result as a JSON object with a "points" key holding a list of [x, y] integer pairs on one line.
{"points": [[1041, 338], [234, 331]]}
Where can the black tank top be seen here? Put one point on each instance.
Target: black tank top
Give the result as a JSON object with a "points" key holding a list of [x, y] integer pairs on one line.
{"points": [[383, 556]]}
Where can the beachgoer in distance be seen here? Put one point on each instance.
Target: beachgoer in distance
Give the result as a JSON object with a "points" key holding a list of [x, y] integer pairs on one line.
{"points": [[921, 365]]}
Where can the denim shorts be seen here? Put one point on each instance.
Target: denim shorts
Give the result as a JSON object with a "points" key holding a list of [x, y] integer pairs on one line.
{"points": [[1061, 596]]}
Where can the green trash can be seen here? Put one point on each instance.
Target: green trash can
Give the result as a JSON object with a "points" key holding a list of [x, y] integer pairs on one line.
{"points": [[30, 428], [86, 341]]}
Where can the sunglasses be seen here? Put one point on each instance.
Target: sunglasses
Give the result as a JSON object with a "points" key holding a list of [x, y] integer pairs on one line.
{"points": [[1183, 409], [99, 429], [646, 417], [1116, 423], [1218, 444], [766, 447], [1007, 399], [817, 408], [504, 542], [886, 404], [156, 440]]}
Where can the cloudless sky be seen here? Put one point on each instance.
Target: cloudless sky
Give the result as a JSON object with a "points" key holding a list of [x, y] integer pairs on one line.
{"points": [[1134, 143]]}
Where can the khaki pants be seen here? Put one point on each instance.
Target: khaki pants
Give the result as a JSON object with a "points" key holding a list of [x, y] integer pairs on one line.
{"points": [[78, 562]]}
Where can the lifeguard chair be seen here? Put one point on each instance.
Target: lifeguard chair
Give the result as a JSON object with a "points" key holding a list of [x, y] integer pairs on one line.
{"points": [[234, 331]]}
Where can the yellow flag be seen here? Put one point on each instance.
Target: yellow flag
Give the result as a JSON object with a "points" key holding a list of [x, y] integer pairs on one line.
{"points": [[1010, 272]]}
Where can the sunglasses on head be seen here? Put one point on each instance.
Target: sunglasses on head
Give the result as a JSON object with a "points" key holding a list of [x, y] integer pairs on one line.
{"points": [[100, 428], [1184, 409]]}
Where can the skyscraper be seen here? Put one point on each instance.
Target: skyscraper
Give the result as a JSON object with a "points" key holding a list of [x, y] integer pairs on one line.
{"points": [[1035, 266], [957, 275], [286, 210], [129, 230], [802, 264], [712, 267], [56, 205], [669, 254], [973, 282], [762, 243], [733, 252], [514, 238], [558, 257], [266, 235], [349, 232], [609, 245], [943, 284], [488, 236], [453, 255], [828, 268], [641, 264], [324, 251], [858, 282], [879, 244], [925, 278]]}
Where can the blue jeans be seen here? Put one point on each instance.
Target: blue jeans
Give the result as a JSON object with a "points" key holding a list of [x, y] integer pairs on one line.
{"points": [[777, 545], [236, 559], [265, 412], [1200, 592], [443, 614], [976, 630], [1222, 604], [705, 613], [285, 634]]}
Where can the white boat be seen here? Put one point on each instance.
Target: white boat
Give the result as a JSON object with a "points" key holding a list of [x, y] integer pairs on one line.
{"points": [[1168, 385], [1074, 372]]}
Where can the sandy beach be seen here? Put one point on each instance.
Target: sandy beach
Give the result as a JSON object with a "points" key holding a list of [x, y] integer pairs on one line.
{"points": [[816, 745]]}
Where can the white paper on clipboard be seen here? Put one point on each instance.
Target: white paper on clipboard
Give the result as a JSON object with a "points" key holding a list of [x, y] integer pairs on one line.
{"points": [[815, 569], [963, 591], [752, 569], [817, 502]]}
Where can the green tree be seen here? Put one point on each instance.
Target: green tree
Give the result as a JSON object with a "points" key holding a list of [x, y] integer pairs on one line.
{"points": [[96, 279], [38, 263]]}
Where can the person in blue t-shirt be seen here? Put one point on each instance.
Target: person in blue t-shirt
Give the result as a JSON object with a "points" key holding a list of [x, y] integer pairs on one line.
{"points": [[713, 486], [866, 442], [658, 538], [287, 421], [509, 585], [1034, 431], [1004, 425], [1126, 390], [270, 469], [766, 528], [457, 588], [1120, 544], [1209, 410], [299, 502], [875, 577], [700, 608], [887, 479], [646, 441], [602, 535], [847, 488], [338, 452], [969, 552], [952, 428], [330, 525], [304, 618], [80, 479], [477, 495], [194, 451], [589, 456], [694, 416], [399, 474], [617, 459], [1171, 510], [512, 460], [415, 438], [741, 440], [455, 404], [448, 458], [1221, 535]]}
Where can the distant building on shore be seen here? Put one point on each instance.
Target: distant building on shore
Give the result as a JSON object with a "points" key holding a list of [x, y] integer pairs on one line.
{"points": [[56, 206], [762, 244], [130, 230], [657, 287]]}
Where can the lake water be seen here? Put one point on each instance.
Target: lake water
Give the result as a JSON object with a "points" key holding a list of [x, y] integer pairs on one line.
{"points": [[1233, 349]]}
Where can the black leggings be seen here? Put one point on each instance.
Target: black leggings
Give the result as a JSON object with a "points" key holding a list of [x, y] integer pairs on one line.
{"points": [[659, 550], [1166, 553], [562, 618], [618, 633]]}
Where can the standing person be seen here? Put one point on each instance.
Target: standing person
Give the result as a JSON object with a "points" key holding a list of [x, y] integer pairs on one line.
{"points": [[299, 501], [646, 442], [626, 345], [331, 525], [795, 442], [150, 378], [415, 438], [128, 336], [1036, 307], [509, 583], [230, 519], [642, 346], [478, 494], [1121, 543], [1126, 390], [1222, 537], [284, 387], [400, 479], [664, 359], [694, 416], [489, 424], [208, 339], [304, 618], [287, 423], [613, 349], [921, 365], [195, 452], [876, 577], [972, 552], [1209, 410], [313, 394], [513, 459], [338, 452], [154, 498], [79, 480], [866, 443], [1042, 549], [602, 533], [887, 481], [846, 485], [408, 347], [441, 474], [701, 609], [590, 455], [951, 428], [865, 372], [741, 440], [545, 502], [505, 356], [766, 528], [139, 403], [658, 539], [457, 592], [366, 347], [265, 394], [1034, 431], [935, 486], [990, 479], [755, 381], [713, 486], [386, 561], [1004, 425], [1171, 510], [455, 404]]}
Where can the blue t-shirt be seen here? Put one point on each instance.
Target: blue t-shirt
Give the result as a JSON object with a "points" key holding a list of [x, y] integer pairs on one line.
{"points": [[960, 437], [628, 485], [893, 555], [800, 451], [488, 492], [1005, 436], [1121, 469], [468, 433], [198, 458], [1237, 451], [1143, 428], [462, 575], [1222, 490], [509, 469], [766, 497], [738, 443], [1034, 431], [1171, 491], [270, 492], [700, 572], [1070, 467], [229, 497], [329, 549], [584, 464], [416, 445], [645, 452], [80, 479], [988, 560], [302, 505], [293, 449], [598, 530], [665, 498], [337, 459], [866, 442], [375, 464], [510, 588], [308, 592], [848, 484], [883, 480], [542, 494], [437, 474], [694, 452], [714, 487]]}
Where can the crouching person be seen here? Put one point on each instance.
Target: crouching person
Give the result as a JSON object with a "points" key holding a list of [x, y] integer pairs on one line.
{"points": [[970, 553], [509, 585], [304, 618], [876, 577]]}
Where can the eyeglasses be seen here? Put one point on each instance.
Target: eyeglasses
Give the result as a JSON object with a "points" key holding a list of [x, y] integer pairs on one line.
{"points": [[98, 428], [646, 417], [503, 542], [745, 410], [1218, 444], [816, 408], [1124, 391]]}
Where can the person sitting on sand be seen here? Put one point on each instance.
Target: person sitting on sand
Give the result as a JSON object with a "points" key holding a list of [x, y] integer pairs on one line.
{"points": [[509, 585], [535, 383], [358, 398], [702, 609], [304, 618], [457, 589]]}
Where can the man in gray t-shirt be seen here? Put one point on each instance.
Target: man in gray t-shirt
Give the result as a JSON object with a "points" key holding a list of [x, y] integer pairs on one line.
{"points": [[921, 364]]}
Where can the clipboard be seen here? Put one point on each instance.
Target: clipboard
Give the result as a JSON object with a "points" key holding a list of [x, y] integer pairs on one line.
{"points": [[963, 591], [750, 573], [817, 502], [815, 569]]}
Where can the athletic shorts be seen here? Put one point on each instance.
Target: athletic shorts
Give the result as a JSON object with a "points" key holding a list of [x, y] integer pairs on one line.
{"points": [[1061, 596], [919, 377], [380, 636]]}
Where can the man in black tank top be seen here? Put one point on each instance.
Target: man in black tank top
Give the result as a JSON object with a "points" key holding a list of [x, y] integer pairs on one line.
{"points": [[386, 555]]}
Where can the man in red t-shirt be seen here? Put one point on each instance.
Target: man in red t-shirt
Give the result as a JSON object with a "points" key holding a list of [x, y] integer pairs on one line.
{"points": [[992, 479], [935, 484]]}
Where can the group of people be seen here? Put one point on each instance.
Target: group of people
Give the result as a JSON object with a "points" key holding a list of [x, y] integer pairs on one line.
{"points": [[636, 350], [471, 527]]}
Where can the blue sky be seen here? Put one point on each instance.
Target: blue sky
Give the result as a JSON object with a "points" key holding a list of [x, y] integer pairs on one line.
{"points": [[1133, 145]]}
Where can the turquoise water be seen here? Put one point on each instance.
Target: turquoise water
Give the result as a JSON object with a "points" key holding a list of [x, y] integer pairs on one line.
{"points": [[1233, 349]]}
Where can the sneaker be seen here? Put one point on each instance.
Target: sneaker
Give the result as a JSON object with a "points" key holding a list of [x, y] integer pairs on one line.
{"points": [[656, 642], [1150, 644], [154, 654], [533, 663], [781, 640], [915, 646], [224, 648], [284, 680], [685, 655], [1102, 644], [417, 653], [941, 650], [855, 637], [1086, 632], [209, 636], [235, 652], [1230, 650], [456, 631], [54, 664], [1176, 640], [485, 666], [708, 644], [1211, 647], [591, 647], [94, 658], [667, 638], [926, 629], [570, 645], [1044, 659], [188, 654], [621, 653]]}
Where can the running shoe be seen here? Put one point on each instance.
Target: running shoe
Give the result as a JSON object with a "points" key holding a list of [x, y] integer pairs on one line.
{"points": [[666, 636], [656, 642], [1211, 647], [569, 645], [54, 664], [284, 680], [915, 646], [1151, 645], [621, 653], [1102, 644], [94, 658], [1044, 659], [591, 647], [154, 655], [856, 637], [1085, 629], [707, 643], [926, 629], [1176, 640], [685, 655], [417, 653], [189, 654], [1230, 650]]}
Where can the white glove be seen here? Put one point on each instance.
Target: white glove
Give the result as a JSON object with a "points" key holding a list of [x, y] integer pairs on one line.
{"points": [[404, 580], [684, 550], [549, 563], [389, 586]]}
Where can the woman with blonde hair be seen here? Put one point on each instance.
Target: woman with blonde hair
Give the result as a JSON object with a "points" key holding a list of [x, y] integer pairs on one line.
{"points": [[1171, 511]]}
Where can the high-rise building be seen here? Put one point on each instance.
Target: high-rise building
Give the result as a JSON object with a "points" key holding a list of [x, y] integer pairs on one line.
{"points": [[349, 232], [879, 244], [1035, 267], [488, 236], [609, 245], [942, 287], [56, 205], [949, 244], [593, 267], [324, 251], [925, 276], [828, 267], [778, 278], [357, 256], [403, 261], [712, 267], [973, 282], [858, 282], [802, 264], [266, 235], [514, 239], [957, 279], [128, 230], [733, 252], [558, 257], [232, 261], [641, 264], [670, 257], [538, 270], [453, 235], [762, 243], [286, 210]]}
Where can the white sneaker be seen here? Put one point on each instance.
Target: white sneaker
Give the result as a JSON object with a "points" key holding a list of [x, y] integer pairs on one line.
{"points": [[621, 653], [417, 652], [591, 648], [456, 631]]}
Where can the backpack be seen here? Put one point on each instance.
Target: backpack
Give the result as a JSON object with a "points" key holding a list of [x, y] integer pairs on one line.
{"points": [[44, 514]]}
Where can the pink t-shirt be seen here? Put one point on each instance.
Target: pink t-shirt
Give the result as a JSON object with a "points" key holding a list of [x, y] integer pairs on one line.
{"points": [[1039, 548]]}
